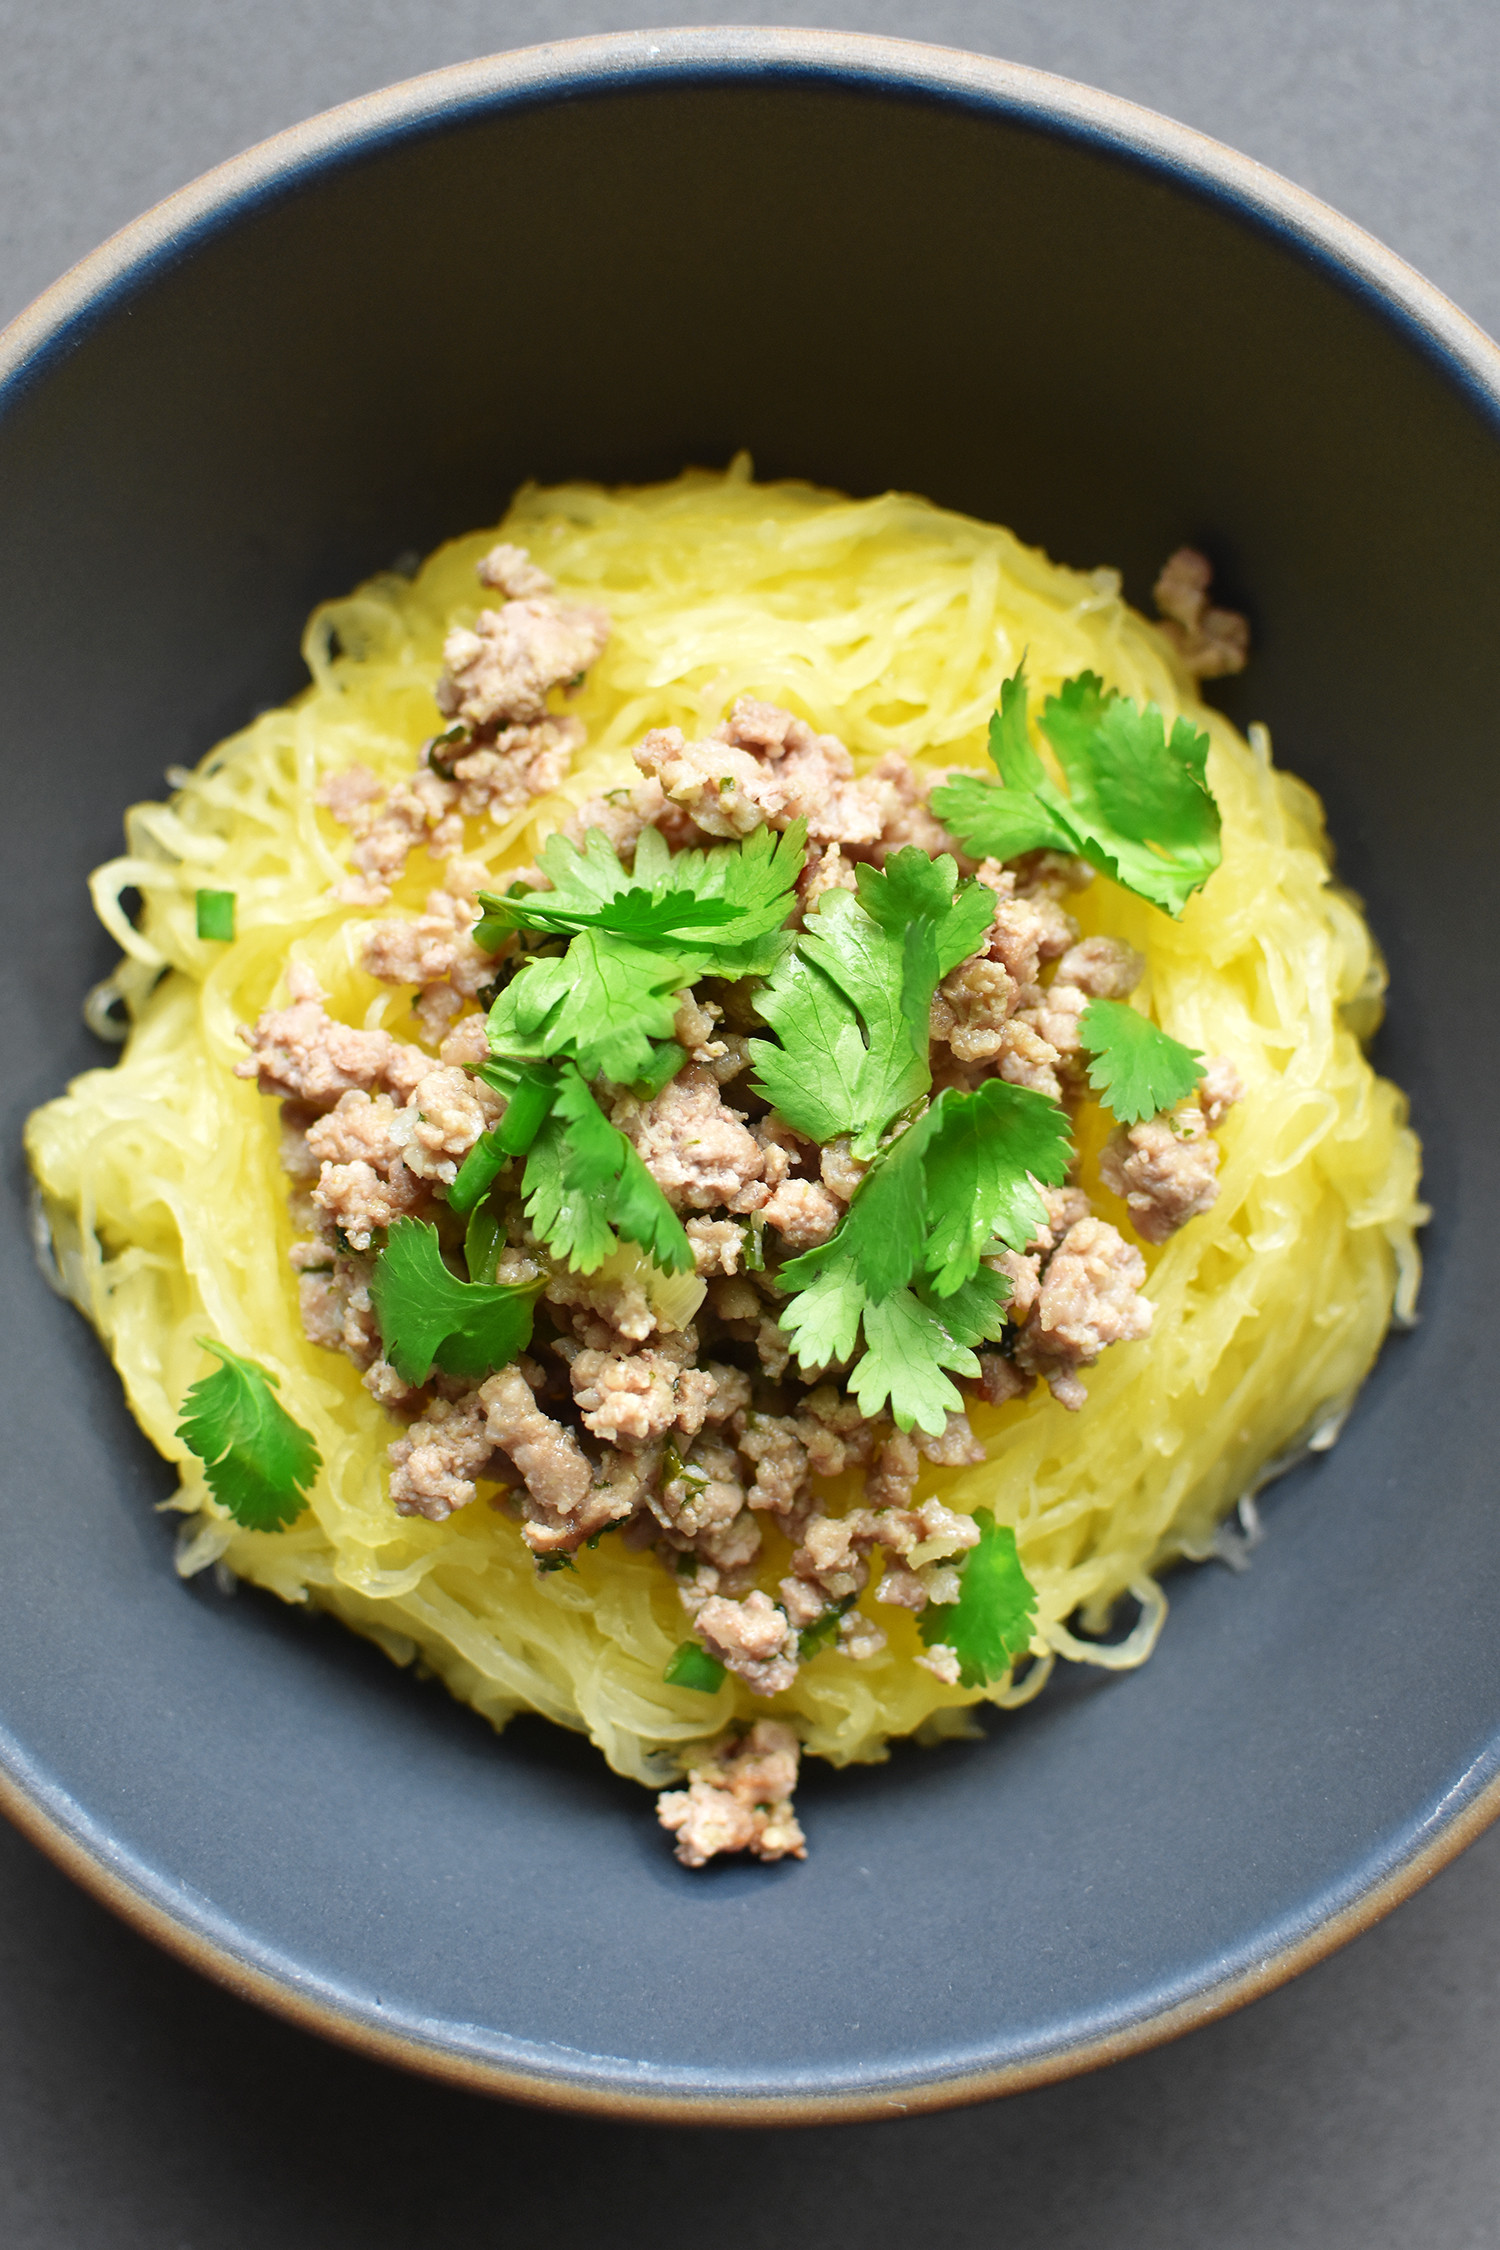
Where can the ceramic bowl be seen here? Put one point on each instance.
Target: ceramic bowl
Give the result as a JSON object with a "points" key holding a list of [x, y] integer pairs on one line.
{"points": [[873, 264]]}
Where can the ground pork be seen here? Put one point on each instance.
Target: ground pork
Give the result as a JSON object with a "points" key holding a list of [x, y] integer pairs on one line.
{"points": [[627, 1400], [358, 1200], [302, 1054], [1027, 1059], [434, 1465], [420, 810], [502, 670], [971, 1008], [802, 1213], [772, 1443], [433, 951], [1089, 1298], [511, 572], [1000, 1380], [1164, 1170], [1211, 642], [1220, 1087], [840, 1172], [763, 765], [752, 1639], [358, 1126], [517, 764], [705, 1493], [467, 1042], [1103, 967], [826, 869], [859, 1636], [563, 1505], [1028, 929], [347, 794], [834, 1431], [700, 1153], [740, 1799], [718, 1245], [942, 1662], [447, 1113], [333, 1299]]}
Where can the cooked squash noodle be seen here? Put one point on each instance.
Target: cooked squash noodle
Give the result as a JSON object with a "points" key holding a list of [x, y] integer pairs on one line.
{"points": [[890, 623]]}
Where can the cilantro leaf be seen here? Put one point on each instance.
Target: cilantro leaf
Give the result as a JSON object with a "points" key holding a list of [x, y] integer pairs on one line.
{"points": [[1137, 1069], [484, 1239], [822, 1320], [1137, 805], [691, 1666], [727, 902], [990, 1149], [604, 1004], [995, 823], [258, 1461], [584, 1178], [600, 1163], [962, 1175], [1138, 798], [880, 1237], [849, 1004], [989, 1626], [907, 1346], [429, 1318], [911, 887], [974, 1313], [573, 1227], [1010, 749]]}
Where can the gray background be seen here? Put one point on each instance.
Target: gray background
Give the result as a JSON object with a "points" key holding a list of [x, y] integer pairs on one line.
{"points": [[138, 2106]]}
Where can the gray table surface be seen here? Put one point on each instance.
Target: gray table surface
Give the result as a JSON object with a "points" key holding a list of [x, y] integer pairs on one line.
{"points": [[141, 2109]]}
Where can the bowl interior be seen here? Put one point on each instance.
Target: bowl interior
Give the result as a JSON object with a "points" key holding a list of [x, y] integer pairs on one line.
{"points": [[871, 270]]}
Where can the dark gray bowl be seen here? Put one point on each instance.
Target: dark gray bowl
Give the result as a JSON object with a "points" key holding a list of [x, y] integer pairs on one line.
{"points": [[873, 264]]}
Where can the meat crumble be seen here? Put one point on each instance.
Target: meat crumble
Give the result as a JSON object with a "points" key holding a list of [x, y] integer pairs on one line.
{"points": [[685, 1424]]}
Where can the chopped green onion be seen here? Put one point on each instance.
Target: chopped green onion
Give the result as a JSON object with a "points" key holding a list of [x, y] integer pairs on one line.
{"points": [[693, 1667], [216, 915]]}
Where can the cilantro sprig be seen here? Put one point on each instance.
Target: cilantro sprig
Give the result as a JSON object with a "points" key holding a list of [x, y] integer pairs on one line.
{"points": [[1137, 1069], [429, 1318], [584, 1180], [258, 1462], [989, 1626], [849, 1003], [903, 1271], [1137, 805]]}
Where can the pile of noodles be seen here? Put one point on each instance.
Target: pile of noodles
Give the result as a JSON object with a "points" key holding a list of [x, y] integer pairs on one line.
{"points": [[891, 624]]}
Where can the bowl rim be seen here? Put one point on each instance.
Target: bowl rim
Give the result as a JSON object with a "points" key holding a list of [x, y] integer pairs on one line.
{"points": [[539, 76]]}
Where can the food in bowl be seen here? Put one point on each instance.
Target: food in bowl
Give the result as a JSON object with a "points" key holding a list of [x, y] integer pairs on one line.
{"points": [[761, 1128]]}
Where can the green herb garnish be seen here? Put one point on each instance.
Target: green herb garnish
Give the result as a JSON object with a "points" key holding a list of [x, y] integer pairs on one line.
{"points": [[258, 1461], [1137, 1069], [692, 1667], [849, 1003], [430, 1318], [215, 911], [1137, 806], [989, 1626], [584, 1180]]}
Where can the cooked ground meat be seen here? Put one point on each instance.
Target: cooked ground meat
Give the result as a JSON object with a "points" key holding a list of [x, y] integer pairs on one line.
{"points": [[752, 1639], [699, 1151], [502, 669], [1211, 642], [1089, 1298], [739, 1800]]}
